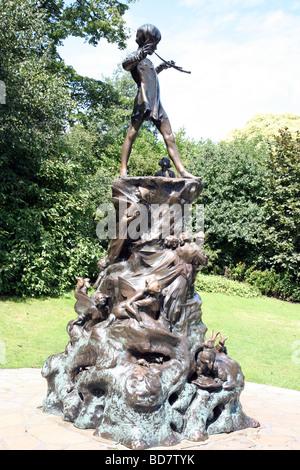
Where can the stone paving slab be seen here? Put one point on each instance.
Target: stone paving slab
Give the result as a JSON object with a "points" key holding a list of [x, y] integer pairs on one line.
{"points": [[23, 426]]}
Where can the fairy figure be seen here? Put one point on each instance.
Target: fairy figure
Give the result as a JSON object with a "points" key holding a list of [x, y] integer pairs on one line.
{"points": [[146, 299]]}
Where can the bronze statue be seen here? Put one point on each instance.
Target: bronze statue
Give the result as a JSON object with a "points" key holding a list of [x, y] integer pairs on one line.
{"points": [[102, 265], [90, 310], [215, 369], [147, 299], [207, 370], [147, 105], [138, 368], [165, 171]]}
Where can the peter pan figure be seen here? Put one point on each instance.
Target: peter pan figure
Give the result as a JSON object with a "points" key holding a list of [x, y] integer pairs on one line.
{"points": [[147, 105]]}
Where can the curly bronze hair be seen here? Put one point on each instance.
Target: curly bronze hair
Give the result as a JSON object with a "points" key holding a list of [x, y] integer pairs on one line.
{"points": [[147, 32]]}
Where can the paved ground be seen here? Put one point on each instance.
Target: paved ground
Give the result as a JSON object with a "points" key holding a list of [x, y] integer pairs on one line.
{"points": [[24, 427]]}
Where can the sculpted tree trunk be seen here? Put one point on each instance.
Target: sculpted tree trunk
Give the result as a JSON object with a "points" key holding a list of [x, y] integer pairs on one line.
{"points": [[138, 368]]}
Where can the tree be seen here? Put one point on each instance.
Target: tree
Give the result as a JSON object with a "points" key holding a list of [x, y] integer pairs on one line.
{"points": [[282, 205], [263, 127], [48, 162], [38, 104], [233, 193], [92, 20]]}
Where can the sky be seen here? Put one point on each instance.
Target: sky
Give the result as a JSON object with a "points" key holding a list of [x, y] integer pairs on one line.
{"points": [[243, 56]]}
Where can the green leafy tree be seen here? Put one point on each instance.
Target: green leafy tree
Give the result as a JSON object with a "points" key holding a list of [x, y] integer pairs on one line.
{"points": [[282, 205], [252, 210], [48, 160], [233, 193], [92, 20], [263, 127]]}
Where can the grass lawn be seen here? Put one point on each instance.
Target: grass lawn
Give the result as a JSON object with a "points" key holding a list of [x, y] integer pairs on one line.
{"points": [[34, 329], [264, 336], [264, 333]]}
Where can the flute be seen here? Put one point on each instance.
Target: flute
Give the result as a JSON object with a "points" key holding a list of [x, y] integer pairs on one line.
{"points": [[171, 64]]}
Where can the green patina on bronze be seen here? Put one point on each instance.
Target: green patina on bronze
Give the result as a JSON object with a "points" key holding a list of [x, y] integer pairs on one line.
{"points": [[138, 367]]}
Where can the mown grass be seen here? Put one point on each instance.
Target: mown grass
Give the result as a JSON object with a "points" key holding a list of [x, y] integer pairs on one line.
{"points": [[263, 333], [33, 329]]}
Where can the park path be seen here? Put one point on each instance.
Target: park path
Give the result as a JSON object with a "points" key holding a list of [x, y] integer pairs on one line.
{"points": [[24, 427]]}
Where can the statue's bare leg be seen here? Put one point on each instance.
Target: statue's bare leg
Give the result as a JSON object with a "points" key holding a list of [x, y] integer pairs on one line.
{"points": [[128, 143], [169, 138]]}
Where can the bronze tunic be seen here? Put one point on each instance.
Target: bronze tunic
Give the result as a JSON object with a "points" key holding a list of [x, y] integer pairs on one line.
{"points": [[147, 103]]}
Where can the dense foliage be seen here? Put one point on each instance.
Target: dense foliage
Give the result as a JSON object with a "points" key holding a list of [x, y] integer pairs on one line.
{"points": [[264, 126], [251, 197], [232, 196], [48, 159], [60, 143], [282, 204]]}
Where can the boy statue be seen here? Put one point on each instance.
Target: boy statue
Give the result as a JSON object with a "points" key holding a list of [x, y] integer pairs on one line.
{"points": [[147, 105]]}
